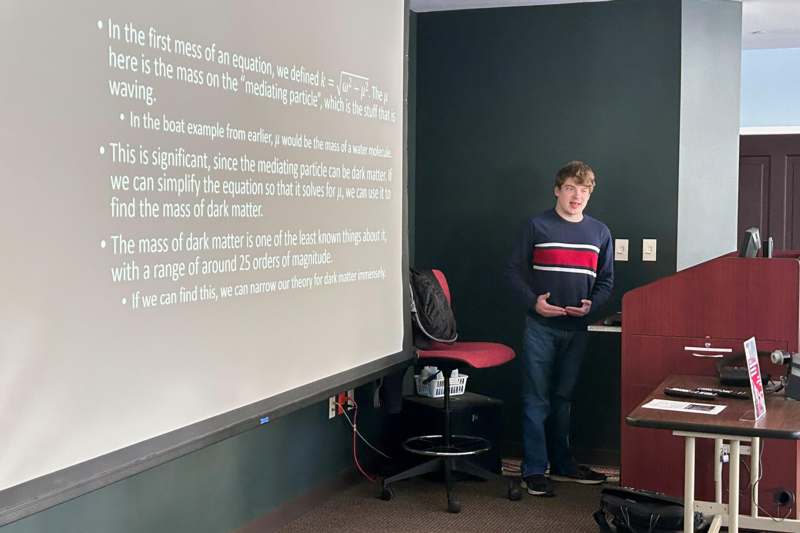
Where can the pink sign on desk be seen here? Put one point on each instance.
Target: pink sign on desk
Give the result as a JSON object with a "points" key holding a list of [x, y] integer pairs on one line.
{"points": [[754, 371]]}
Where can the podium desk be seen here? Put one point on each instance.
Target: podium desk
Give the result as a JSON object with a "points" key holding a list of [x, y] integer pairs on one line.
{"points": [[677, 325], [735, 425]]}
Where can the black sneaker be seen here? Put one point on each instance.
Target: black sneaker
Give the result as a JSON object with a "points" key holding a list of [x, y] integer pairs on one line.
{"points": [[583, 475], [538, 485]]}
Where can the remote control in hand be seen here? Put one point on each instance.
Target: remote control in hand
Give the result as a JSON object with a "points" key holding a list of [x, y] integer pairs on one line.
{"points": [[689, 393]]}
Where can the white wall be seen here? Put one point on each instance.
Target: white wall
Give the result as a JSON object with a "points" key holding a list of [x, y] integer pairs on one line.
{"points": [[708, 166]]}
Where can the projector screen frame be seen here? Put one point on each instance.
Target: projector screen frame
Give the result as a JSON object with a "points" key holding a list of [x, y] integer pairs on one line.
{"points": [[44, 492]]}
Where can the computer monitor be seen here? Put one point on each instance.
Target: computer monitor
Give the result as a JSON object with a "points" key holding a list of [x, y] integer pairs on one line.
{"points": [[751, 243]]}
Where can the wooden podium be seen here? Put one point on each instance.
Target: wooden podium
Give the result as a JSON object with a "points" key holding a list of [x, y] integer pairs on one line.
{"points": [[673, 326]]}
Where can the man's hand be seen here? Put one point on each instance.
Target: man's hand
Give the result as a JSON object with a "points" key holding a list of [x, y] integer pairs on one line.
{"points": [[547, 310], [586, 306]]}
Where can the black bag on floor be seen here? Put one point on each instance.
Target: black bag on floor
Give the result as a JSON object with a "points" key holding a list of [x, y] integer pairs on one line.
{"points": [[625, 510]]}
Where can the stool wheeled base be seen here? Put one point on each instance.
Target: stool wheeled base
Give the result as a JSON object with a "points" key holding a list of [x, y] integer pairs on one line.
{"points": [[449, 458]]}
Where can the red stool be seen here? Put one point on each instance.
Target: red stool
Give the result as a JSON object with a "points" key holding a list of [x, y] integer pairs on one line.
{"points": [[450, 452]]}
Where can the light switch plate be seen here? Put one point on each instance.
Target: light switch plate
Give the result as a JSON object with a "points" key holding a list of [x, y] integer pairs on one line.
{"points": [[620, 249], [649, 249]]}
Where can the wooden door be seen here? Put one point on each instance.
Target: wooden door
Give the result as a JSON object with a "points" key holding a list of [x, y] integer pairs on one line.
{"points": [[769, 188]]}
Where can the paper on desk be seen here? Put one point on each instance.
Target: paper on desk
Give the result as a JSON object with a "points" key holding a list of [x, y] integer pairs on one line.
{"points": [[685, 407]]}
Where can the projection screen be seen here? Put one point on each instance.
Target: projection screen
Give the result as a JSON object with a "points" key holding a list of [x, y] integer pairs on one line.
{"points": [[202, 209]]}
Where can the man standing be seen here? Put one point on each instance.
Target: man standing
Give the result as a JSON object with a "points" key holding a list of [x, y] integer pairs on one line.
{"points": [[561, 267]]}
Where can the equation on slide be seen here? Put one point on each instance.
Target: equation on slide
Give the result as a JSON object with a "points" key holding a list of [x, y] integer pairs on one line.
{"points": [[355, 84], [344, 92]]}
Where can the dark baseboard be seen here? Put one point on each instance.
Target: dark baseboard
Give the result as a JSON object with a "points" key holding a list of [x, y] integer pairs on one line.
{"points": [[297, 507], [597, 456], [511, 448], [592, 456]]}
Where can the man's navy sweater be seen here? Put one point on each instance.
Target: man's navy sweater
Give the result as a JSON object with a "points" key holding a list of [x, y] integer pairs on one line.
{"points": [[570, 260]]}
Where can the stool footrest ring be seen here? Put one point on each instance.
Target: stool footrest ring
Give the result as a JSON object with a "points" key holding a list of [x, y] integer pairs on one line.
{"points": [[434, 445]]}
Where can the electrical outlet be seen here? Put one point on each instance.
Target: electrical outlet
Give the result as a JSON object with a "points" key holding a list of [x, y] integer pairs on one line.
{"points": [[620, 249], [649, 249], [337, 404], [332, 407], [744, 449]]}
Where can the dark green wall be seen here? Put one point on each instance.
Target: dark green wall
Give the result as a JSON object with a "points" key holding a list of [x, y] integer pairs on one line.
{"points": [[215, 489], [505, 97], [226, 485]]}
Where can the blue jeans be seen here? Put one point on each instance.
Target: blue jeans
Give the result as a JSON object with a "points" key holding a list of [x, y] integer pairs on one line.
{"points": [[551, 361]]}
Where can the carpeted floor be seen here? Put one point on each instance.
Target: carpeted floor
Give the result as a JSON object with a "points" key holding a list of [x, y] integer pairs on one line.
{"points": [[420, 505]]}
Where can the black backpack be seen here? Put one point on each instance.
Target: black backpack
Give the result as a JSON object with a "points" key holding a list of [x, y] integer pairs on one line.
{"points": [[430, 310], [627, 510]]}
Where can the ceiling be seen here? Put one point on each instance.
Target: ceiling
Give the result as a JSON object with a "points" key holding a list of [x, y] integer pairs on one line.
{"points": [[765, 23]]}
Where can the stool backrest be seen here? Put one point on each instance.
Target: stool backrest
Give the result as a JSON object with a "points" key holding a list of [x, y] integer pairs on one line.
{"points": [[443, 283]]}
